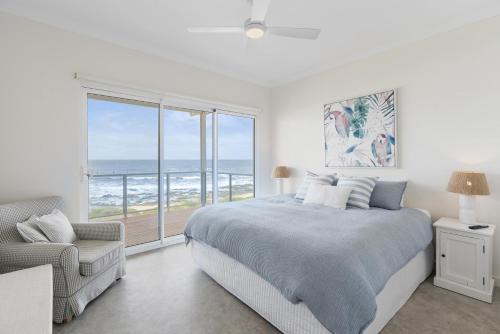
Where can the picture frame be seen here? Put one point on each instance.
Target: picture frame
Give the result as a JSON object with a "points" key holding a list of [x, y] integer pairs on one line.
{"points": [[361, 132]]}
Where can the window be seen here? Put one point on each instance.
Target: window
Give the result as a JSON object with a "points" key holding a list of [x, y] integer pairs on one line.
{"points": [[123, 160], [127, 139], [236, 157], [185, 166]]}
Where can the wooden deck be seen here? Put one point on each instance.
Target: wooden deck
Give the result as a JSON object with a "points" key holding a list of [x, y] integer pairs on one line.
{"points": [[141, 228]]}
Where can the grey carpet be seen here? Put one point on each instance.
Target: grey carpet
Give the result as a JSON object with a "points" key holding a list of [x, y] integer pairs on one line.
{"points": [[164, 292]]}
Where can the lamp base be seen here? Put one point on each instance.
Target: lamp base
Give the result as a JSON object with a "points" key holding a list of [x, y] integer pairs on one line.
{"points": [[280, 186], [467, 211]]}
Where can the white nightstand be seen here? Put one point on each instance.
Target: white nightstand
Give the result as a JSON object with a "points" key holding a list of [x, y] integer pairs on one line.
{"points": [[464, 259]]}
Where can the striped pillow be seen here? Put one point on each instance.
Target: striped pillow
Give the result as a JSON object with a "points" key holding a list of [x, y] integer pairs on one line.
{"points": [[362, 188], [312, 178]]}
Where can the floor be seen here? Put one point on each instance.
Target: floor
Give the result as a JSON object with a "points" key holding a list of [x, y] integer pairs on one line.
{"points": [[164, 292]]}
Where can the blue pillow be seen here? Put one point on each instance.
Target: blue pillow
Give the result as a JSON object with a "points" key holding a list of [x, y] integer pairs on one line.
{"points": [[388, 195]]}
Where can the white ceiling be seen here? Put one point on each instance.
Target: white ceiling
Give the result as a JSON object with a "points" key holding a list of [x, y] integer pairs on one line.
{"points": [[350, 29]]}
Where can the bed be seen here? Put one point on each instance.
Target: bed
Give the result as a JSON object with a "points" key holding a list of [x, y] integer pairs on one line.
{"points": [[263, 251]]}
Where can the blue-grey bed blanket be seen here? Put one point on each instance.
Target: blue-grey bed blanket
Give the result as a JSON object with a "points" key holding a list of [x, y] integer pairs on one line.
{"points": [[334, 261]]}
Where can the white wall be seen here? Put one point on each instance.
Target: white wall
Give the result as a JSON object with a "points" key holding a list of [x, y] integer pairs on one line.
{"points": [[40, 104], [448, 91]]}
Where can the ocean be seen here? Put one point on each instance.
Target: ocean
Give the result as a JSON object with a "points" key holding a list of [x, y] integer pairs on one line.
{"points": [[106, 182]]}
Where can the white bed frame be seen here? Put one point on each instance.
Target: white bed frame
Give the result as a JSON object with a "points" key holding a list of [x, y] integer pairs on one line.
{"points": [[290, 318]]}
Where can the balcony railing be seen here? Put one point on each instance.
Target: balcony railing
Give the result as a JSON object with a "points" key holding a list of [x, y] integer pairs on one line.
{"points": [[230, 193]]}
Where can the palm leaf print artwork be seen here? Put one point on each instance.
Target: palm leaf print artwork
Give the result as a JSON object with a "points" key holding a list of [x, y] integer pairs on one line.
{"points": [[361, 132]]}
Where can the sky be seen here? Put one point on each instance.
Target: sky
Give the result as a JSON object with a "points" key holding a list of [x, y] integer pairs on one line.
{"points": [[127, 131]]}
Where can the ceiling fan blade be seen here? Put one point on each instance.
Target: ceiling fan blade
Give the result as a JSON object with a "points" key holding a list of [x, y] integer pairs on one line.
{"points": [[305, 33], [217, 30], [259, 10]]}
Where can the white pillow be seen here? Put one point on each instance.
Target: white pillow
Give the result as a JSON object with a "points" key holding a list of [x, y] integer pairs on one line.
{"points": [[332, 196], [56, 227], [336, 197], [312, 178], [30, 231], [315, 194]]}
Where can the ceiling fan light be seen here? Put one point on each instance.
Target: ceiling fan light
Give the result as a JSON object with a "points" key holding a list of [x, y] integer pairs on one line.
{"points": [[255, 30]]}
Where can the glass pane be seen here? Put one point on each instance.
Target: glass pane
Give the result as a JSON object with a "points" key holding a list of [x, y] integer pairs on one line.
{"points": [[185, 179], [122, 157], [209, 188], [236, 157]]}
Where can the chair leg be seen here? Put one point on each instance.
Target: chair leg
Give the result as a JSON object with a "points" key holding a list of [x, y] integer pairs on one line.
{"points": [[67, 319]]}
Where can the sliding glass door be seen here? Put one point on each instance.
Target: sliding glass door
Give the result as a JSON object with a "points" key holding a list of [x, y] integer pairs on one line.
{"points": [[187, 183], [207, 156], [236, 157], [123, 164]]}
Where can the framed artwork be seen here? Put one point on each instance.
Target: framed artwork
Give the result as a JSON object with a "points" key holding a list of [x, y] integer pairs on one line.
{"points": [[361, 132]]}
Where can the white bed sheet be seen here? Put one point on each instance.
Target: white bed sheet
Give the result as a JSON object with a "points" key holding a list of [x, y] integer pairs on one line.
{"points": [[290, 318]]}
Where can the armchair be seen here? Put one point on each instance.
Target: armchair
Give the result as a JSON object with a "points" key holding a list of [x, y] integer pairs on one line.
{"points": [[81, 271]]}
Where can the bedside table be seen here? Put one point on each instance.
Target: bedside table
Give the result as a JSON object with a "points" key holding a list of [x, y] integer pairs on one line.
{"points": [[464, 259]]}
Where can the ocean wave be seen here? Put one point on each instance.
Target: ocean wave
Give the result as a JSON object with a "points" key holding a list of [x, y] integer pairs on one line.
{"points": [[104, 192]]}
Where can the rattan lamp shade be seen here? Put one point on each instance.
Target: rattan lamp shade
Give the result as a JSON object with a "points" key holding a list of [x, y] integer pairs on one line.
{"points": [[468, 183], [281, 172]]}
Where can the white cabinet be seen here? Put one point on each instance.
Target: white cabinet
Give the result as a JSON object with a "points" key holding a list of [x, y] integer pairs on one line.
{"points": [[464, 259]]}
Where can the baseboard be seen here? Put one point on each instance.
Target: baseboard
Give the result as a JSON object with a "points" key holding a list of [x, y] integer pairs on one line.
{"points": [[497, 280]]}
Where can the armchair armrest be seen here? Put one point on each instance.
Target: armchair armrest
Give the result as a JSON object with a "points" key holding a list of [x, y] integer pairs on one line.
{"points": [[111, 231], [26, 255]]}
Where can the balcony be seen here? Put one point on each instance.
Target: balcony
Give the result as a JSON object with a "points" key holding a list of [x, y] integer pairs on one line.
{"points": [[132, 198]]}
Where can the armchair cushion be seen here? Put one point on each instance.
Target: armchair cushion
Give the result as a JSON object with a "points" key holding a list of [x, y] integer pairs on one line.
{"points": [[56, 227], [111, 231], [97, 255]]}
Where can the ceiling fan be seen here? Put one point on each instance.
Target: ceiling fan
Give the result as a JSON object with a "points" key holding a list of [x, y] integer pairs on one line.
{"points": [[255, 27]]}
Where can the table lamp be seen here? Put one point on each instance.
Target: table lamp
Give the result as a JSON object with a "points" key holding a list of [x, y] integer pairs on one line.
{"points": [[280, 173], [468, 185]]}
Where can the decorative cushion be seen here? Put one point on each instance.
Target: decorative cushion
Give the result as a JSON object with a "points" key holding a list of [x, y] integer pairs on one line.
{"points": [[337, 197], [96, 256], [315, 194], [388, 195], [30, 231], [333, 196], [362, 188], [56, 227], [316, 179]]}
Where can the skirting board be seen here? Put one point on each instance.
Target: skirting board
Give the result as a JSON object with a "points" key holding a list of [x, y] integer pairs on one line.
{"points": [[497, 280]]}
